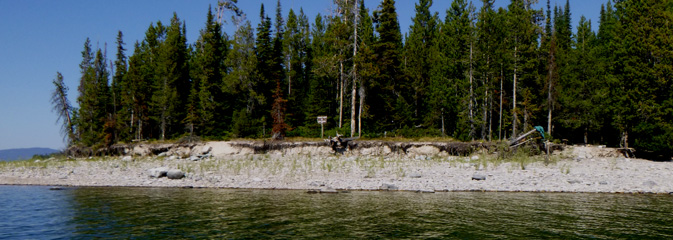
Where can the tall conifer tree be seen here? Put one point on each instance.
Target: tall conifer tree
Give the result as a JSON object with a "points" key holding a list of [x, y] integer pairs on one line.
{"points": [[422, 35], [212, 106], [121, 111], [389, 88]]}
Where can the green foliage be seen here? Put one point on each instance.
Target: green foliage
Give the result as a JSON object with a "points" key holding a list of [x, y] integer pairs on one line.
{"points": [[171, 84], [389, 85], [305, 131], [422, 36], [121, 111], [94, 100], [415, 133], [136, 94], [644, 66], [318, 102], [243, 126], [482, 73], [209, 104]]}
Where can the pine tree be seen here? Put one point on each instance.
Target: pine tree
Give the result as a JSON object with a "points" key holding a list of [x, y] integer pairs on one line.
{"points": [[422, 35], [366, 64], [452, 83], [137, 92], [148, 73], [523, 44], [644, 67], [559, 58], [337, 58], [103, 105], [502, 62], [302, 88], [293, 48], [211, 112], [171, 86], [552, 79], [277, 61], [563, 26], [93, 102], [488, 38], [87, 61], [582, 98], [318, 98], [241, 83], [63, 108], [264, 49], [122, 112], [388, 88]]}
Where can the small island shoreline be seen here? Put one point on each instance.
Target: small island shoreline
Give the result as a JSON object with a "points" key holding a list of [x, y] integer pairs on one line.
{"points": [[421, 168]]}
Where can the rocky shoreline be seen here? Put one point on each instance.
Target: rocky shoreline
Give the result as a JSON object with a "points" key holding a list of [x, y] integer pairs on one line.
{"points": [[314, 167]]}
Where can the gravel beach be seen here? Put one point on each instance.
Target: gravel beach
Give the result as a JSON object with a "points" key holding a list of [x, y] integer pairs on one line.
{"points": [[576, 169]]}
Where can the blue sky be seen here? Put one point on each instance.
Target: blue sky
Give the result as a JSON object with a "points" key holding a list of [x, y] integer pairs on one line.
{"points": [[40, 37]]}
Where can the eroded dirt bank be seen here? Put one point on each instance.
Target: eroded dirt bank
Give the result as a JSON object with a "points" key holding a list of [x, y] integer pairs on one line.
{"points": [[229, 148]]}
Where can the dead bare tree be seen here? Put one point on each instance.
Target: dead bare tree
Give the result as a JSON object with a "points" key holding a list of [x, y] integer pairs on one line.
{"points": [[355, 51], [229, 5], [62, 107]]}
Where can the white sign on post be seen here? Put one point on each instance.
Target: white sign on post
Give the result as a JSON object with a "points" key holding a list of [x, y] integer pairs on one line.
{"points": [[322, 120]]}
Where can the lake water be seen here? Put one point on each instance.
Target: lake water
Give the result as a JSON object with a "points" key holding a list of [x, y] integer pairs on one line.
{"points": [[36, 212]]}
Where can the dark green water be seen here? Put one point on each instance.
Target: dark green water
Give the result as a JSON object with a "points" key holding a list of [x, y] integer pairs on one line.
{"points": [[160, 213]]}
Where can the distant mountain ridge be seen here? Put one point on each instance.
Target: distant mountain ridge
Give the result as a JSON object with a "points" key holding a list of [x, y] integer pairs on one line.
{"points": [[23, 153]]}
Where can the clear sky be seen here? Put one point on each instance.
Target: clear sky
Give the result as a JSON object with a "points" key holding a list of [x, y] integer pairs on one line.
{"points": [[40, 37]]}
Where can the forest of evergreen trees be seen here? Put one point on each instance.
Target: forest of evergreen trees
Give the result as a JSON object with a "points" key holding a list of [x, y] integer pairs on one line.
{"points": [[478, 74]]}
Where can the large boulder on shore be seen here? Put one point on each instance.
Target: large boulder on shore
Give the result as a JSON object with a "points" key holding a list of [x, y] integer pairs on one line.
{"points": [[423, 150], [158, 172], [201, 150], [182, 152], [479, 176], [140, 150], [175, 174]]}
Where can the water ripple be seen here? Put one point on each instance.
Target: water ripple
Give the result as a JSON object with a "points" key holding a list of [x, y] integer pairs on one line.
{"points": [[150, 213]]}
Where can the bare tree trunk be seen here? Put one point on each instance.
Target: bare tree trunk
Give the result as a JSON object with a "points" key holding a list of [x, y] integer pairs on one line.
{"points": [[486, 103], [549, 113], [550, 103], [485, 108], [289, 77], [341, 92], [525, 117], [163, 123], [549, 95], [131, 122], [140, 129], [501, 89], [353, 93], [362, 102], [355, 51], [490, 117], [470, 105], [164, 110], [443, 130], [514, 97]]}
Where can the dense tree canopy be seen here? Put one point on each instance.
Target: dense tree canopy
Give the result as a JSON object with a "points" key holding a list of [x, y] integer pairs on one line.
{"points": [[477, 74]]}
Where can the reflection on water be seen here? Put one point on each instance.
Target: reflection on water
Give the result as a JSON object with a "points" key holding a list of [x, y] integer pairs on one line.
{"points": [[37, 212]]}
